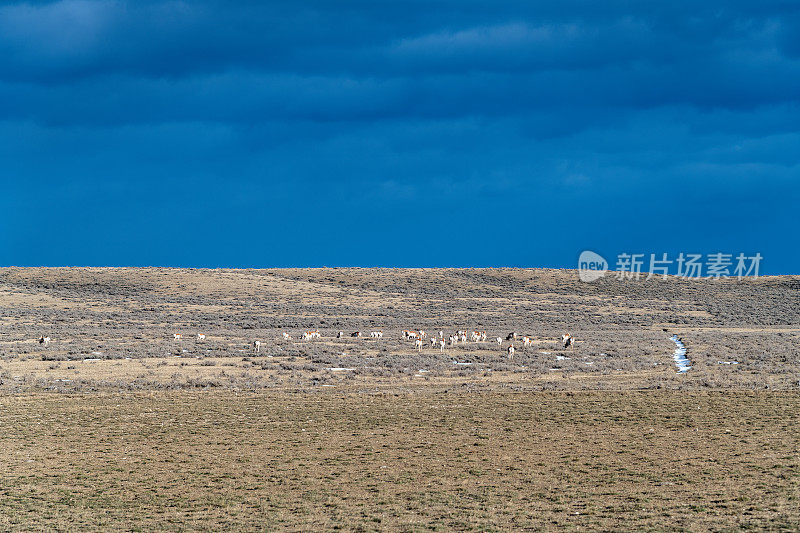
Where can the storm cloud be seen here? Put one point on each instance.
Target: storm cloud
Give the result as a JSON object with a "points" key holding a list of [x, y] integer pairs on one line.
{"points": [[215, 133]]}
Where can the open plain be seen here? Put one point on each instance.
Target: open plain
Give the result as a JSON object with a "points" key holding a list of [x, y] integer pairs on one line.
{"points": [[116, 424]]}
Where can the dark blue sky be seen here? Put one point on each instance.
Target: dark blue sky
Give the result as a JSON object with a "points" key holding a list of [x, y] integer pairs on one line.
{"points": [[451, 133]]}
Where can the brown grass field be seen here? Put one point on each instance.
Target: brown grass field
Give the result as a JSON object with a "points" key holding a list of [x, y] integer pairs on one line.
{"points": [[115, 425]]}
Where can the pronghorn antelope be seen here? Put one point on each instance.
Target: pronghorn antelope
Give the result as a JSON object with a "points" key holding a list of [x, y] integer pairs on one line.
{"points": [[340, 335], [422, 334], [201, 336], [463, 338], [441, 345], [453, 340], [418, 344], [477, 336], [568, 340], [441, 334], [410, 334], [526, 341], [499, 341], [256, 346], [286, 336], [511, 352], [44, 340], [376, 334], [433, 342], [511, 336], [356, 334], [308, 335], [178, 336]]}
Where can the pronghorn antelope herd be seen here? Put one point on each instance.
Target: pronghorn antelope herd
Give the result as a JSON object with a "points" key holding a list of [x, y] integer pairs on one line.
{"points": [[418, 337], [441, 341]]}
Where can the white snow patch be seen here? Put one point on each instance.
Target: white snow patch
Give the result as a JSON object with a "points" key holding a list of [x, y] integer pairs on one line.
{"points": [[681, 361], [340, 369]]}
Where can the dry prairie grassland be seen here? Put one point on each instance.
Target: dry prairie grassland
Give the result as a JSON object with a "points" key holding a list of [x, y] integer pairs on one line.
{"points": [[116, 425], [667, 460]]}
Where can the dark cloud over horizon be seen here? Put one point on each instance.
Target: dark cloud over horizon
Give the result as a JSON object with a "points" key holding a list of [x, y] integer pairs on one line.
{"points": [[233, 133]]}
